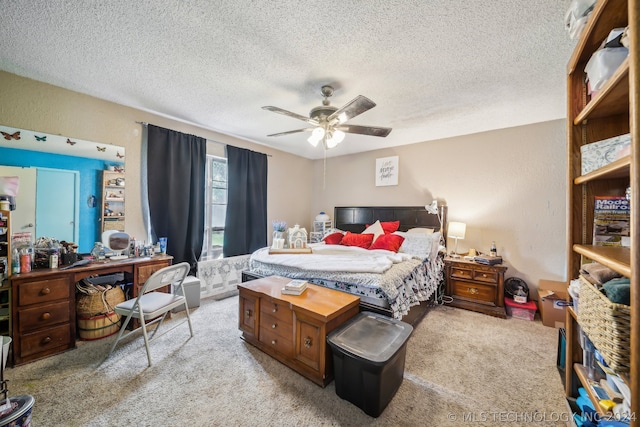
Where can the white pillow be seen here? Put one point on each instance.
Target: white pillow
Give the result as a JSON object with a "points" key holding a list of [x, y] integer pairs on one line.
{"points": [[420, 245], [375, 229]]}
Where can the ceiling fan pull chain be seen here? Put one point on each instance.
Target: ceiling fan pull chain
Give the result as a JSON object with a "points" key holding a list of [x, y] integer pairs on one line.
{"points": [[324, 170]]}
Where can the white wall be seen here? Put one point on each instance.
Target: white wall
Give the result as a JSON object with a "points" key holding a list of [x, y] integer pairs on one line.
{"points": [[506, 185]]}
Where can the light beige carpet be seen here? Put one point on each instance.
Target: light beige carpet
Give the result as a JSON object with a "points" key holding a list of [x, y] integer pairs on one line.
{"points": [[462, 368]]}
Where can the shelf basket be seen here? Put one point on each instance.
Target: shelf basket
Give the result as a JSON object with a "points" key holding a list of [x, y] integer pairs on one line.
{"points": [[607, 324]]}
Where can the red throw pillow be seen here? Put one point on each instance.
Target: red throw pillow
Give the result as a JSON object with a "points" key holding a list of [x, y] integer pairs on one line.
{"points": [[390, 242], [360, 240], [390, 226], [333, 238]]}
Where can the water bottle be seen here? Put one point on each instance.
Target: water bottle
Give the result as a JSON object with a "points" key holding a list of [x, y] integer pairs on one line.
{"points": [[15, 262], [493, 251]]}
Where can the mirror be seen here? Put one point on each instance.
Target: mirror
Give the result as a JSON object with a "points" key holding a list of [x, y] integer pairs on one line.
{"points": [[60, 193]]}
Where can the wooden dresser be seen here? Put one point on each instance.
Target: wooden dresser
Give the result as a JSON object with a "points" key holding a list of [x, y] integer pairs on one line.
{"points": [[43, 304], [476, 286], [293, 329]]}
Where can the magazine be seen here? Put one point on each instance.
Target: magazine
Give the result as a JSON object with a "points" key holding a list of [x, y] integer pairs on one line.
{"points": [[611, 221]]}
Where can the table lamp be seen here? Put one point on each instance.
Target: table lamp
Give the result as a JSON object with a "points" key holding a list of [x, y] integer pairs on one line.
{"points": [[456, 230]]}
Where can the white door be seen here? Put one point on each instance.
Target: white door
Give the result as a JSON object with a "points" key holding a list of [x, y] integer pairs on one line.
{"points": [[24, 217], [57, 198]]}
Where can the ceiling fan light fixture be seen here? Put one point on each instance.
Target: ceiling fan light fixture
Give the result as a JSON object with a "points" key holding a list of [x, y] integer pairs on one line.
{"points": [[316, 136], [334, 138]]}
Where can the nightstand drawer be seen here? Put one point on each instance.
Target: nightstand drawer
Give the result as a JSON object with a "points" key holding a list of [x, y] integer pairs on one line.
{"points": [[462, 273], [474, 291], [485, 276]]}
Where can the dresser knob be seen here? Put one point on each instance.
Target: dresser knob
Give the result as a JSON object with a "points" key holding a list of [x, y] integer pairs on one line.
{"points": [[247, 313], [46, 340], [45, 291], [46, 315], [273, 342], [307, 342], [274, 326], [484, 275], [275, 308], [472, 291]]}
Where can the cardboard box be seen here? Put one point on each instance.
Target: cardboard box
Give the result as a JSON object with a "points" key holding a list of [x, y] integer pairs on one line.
{"points": [[553, 297]]}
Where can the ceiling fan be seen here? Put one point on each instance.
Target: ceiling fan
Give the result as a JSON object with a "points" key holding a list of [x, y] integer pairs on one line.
{"points": [[329, 121]]}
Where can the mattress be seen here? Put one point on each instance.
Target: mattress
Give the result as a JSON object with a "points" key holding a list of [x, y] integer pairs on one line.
{"points": [[398, 287]]}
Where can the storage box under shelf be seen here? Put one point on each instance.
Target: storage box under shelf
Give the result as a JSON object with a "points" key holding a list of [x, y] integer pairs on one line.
{"points": [[318, 230]]}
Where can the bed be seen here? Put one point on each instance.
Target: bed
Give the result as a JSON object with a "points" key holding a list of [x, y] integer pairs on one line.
{"points": [[386, 281]]}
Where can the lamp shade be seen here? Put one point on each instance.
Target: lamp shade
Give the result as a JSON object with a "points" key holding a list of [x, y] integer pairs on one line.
{"points": [[456, 230], [432, 208]]}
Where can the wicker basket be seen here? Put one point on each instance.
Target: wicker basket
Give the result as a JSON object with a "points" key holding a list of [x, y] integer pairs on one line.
{"points": [[607, 324], [98, 302], [98, 327]]}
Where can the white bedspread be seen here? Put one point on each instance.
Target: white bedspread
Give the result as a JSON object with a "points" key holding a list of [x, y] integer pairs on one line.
{"points": [[335, 258]]}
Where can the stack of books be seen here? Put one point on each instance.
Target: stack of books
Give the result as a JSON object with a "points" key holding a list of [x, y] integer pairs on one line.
{"points": [[488, 260], [295, 287]]}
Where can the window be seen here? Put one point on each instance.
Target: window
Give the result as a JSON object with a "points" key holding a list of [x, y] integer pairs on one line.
{"points": [[215, 207]]}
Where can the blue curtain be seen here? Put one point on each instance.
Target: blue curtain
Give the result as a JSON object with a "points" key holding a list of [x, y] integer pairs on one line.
{"points": [[176, 165], [245, 227]]}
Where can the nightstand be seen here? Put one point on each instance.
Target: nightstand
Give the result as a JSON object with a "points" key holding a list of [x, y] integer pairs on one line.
{"points": [[476, 286]]}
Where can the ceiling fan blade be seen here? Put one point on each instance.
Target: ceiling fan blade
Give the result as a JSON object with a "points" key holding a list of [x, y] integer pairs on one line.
{"points": [[290, 114], [291, 131], [357, 106], [365, 130]]}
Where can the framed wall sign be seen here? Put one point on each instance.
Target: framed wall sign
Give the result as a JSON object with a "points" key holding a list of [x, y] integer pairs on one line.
{"points": [[387, 171]]}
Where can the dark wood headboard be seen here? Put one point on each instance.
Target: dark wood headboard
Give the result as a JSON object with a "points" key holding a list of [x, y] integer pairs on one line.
{"points": [[356, 218]]}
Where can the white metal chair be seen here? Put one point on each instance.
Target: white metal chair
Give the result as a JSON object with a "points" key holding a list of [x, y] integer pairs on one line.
{"points": [[151, 306]]}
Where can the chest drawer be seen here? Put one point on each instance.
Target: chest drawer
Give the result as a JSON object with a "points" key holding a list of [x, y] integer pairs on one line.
{"points": [[43, 316], [485, 276], [278, 326], [276, 342], [474, 291], [42, 341], [40, 291], [462, 273], [277, 309]]}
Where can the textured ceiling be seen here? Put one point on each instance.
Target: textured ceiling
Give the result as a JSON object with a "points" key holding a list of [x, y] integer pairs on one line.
{"points": [[435, 69]]}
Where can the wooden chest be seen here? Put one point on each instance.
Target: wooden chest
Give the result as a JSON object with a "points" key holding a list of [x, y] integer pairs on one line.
{"points": [[293, 329]]}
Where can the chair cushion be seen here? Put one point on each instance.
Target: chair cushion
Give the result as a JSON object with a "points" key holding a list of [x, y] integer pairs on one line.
{"points": [[151, 303]]}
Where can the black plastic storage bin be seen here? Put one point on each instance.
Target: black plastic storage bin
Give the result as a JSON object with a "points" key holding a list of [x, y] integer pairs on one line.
{"points": [[368, 360]]}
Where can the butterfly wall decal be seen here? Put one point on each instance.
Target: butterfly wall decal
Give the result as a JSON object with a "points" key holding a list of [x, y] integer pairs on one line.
{"points": [[70, 142], [9, 136], [101, 149], [40, 138], [118, 155], [118, 169]]}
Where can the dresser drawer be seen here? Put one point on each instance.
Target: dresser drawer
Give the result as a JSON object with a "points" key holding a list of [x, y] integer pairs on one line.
{"points": [[45, 340], [39, 291], [275, 308], [43, 316], [274, 341], [280, 327], [485, 276], [462, 273], [474, 291]]}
